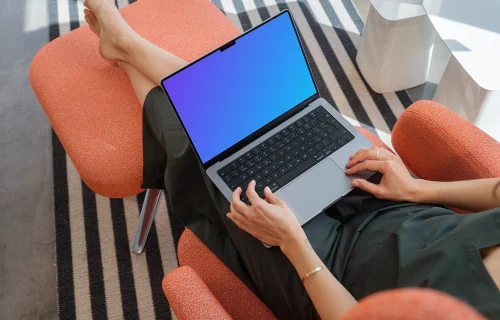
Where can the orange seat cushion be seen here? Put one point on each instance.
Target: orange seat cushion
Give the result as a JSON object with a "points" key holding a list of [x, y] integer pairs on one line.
{"points": [[90, 102]]}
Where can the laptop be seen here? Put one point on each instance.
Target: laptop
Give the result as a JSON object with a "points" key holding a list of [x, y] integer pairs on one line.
{"points": [[251, 110]]}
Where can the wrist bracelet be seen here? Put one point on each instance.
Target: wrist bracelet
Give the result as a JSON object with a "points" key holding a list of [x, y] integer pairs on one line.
{"points": [[310, 273]]}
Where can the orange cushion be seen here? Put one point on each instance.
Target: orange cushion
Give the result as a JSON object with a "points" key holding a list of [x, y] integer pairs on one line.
{"points": [[90, 102], [236, 298]]}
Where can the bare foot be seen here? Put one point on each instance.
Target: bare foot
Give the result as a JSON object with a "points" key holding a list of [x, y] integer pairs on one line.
{"points": [[115, 35]]}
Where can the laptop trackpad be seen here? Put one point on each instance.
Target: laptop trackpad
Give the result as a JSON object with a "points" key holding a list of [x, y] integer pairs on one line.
{"points": [[315, 190]]}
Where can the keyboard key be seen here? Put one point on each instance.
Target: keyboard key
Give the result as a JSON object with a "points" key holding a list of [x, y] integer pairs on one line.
{"points": [[295, 152], [283, 170], [296, 142], [257, 159], [277, 136], [319, 146], [306, 118], [337, 134], [295, 172], [274, 157], [271, 141], [241, 160], [266, 172], [255, 151], [299, 123], [250, 163], [235, 173], [325, 142], [251, 172], [248, 155], [310, 143], [273, 167], [274, 186], [280, 153], [243, 168], [280, 162], [292, 127], [290, 165], [315, 130], [286, 140], [234, 184], [303, 148], [305, 156], [312, 151], [258, 176], [321, 111], [268, 180], [314, 122], [259, 186], [288, 148], [317, 138], [288, 157], [244, 176], [275, 175], [263, 146], [264, 154], [266, 162], [227, 178], [271, 150], [259, 167], [285, 132], [279, 145], [293, 135], [319, 156], [298, 160], [312, 114], [234, 165]]}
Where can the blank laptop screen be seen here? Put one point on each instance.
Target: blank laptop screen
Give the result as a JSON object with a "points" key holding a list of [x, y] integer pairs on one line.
{"points": [[228, 95]]}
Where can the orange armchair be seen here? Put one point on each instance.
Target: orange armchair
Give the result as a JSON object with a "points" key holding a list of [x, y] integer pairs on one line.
{"points": [[435, 144]]}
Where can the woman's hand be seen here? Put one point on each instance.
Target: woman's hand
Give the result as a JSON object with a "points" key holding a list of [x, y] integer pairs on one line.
{"points": [[397, 184], [271, 221]]}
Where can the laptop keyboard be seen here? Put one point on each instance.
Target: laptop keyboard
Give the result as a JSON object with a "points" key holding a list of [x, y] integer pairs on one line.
{"points": [[286, 155]]}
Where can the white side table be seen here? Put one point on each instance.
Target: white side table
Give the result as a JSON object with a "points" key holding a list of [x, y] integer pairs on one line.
{"points": [[470, 85], [396, 45]]}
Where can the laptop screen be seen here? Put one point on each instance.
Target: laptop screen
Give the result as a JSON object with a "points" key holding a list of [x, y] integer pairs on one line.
{"points": [[233, 92]]}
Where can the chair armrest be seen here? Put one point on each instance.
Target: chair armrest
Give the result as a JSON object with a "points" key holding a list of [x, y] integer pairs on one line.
{"points": [[412, 304], [189, 296], [437, 144]]}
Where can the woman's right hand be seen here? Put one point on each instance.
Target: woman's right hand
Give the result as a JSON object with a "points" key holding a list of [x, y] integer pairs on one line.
{"points": [[396, 184]]}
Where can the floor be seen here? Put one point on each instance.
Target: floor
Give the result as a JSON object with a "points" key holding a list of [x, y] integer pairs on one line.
{"points": [[27, 249]]}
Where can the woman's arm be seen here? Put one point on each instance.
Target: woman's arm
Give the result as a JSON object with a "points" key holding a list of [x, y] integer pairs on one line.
{"points": [[329, 297], [274, 223], [397, 184]]}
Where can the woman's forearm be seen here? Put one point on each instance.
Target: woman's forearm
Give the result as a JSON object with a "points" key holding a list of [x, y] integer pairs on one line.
{"points": [[471, 195], [329, 297]]}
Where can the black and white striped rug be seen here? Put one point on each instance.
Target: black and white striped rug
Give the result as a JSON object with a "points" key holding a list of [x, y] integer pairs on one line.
{"points": [[98, 276]]}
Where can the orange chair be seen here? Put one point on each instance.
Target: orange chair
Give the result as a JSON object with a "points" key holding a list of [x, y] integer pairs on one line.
{"points": [[92, 107], [435, 144]]}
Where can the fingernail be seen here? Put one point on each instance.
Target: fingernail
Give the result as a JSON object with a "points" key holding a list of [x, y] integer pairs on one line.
{"points": [[268, 189], [239, 189], [355, 183], [348, 170]]}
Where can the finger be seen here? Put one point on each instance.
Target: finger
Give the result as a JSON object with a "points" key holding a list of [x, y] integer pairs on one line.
{"points": [[87, 19], [369, 154], [237, 203], [270, 196], [372, 165], [86, 11], [375, 189], [252, 194], [92, 16]]}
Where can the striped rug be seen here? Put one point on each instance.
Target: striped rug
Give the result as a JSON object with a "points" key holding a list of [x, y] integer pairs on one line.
{"points": [[98, 276]]}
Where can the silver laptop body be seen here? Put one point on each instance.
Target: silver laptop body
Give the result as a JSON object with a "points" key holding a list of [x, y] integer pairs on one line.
{"points": [[315, 189]]}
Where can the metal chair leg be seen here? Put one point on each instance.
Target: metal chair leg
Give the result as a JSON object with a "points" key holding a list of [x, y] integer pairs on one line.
{"points": [[146, 218]]}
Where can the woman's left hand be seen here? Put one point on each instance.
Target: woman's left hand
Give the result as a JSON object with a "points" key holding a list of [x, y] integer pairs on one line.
{"points": [[271, 221]]}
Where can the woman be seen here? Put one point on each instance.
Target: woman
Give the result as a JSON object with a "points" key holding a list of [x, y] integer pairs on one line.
{"points": [[384, 234]]}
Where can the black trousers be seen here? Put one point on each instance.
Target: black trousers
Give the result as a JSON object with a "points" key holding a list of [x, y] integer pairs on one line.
{"points": [[367, 243]]}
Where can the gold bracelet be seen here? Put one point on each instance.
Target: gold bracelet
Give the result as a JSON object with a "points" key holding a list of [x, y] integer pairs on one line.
{"points": [[310, 273]]}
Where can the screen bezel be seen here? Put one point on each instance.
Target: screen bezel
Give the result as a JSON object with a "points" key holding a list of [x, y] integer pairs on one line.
{"points": [[266, 128]]}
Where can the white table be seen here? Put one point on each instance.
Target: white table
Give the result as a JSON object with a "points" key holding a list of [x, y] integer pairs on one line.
{"points": [[471, 82]]}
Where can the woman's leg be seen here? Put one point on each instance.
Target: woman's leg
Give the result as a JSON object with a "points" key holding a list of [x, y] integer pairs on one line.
{"points": [[118, 41], [142, 85]]}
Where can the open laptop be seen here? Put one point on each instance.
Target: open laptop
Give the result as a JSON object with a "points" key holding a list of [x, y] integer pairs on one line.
{"points": [[252, 110]]}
